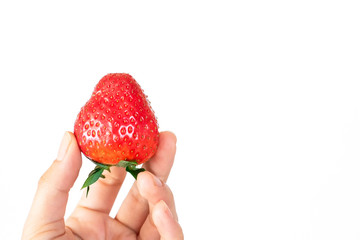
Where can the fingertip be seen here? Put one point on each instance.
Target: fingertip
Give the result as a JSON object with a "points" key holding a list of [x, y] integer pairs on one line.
{"points": [[161, 163], [73, 140], [65, 169], [73, 155], [169, 135], [165, 222], [64, 146], [141, 178], [161, 212], [147, 183]]}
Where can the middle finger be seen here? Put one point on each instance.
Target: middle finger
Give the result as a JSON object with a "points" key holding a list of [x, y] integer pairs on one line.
{"points": [[103, 193]]}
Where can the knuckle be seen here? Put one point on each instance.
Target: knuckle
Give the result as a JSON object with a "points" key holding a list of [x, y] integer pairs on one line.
{"points": [[43, 179], [170, 193]]}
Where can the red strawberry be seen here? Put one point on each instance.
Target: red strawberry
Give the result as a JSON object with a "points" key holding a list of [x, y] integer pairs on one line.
{"points": [[117, 126]]}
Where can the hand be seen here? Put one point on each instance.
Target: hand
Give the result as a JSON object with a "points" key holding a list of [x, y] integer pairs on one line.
{"points": [[148, 211]]}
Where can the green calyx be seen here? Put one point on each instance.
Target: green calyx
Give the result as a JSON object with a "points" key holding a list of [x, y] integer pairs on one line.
{"points": [[94, 175]]}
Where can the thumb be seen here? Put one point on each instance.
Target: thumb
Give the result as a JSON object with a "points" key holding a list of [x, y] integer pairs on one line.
{"points": [[52, 194]]}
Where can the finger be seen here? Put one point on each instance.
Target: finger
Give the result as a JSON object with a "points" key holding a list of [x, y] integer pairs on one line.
{"points": [[165, 222], [103, 193], [52, 194], [134, 210], [154, 190], [161, 164]]}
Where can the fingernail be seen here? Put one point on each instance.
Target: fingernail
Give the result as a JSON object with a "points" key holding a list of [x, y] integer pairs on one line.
{"points": [[166, 209], [65, 142], [157, 181], [162, 215]]}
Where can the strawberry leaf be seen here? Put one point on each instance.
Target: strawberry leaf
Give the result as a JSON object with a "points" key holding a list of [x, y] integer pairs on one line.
{"points": [[134, 171], [130, 166], [94, 176]]}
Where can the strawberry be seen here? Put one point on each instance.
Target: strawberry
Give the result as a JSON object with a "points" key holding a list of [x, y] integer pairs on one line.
{"points": [[117, 126]]}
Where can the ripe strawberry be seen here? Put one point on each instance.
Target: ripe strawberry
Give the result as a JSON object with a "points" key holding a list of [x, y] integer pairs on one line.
{"points": [[117, 126]]}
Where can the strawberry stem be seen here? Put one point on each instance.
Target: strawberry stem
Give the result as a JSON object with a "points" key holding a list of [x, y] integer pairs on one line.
{"points": [[94, 175]]}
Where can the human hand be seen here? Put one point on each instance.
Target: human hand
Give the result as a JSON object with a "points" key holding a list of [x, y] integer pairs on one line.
{"points": [[148, 211]]}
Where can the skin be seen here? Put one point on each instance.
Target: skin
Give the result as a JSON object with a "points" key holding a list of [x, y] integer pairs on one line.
{"points": [[148, 211]]}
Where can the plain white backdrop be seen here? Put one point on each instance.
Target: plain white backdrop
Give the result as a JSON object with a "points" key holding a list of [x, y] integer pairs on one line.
{"points": [[262, 95]]}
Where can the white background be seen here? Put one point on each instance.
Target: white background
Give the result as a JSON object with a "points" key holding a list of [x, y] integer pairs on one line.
{"points": [[263, 96]]}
